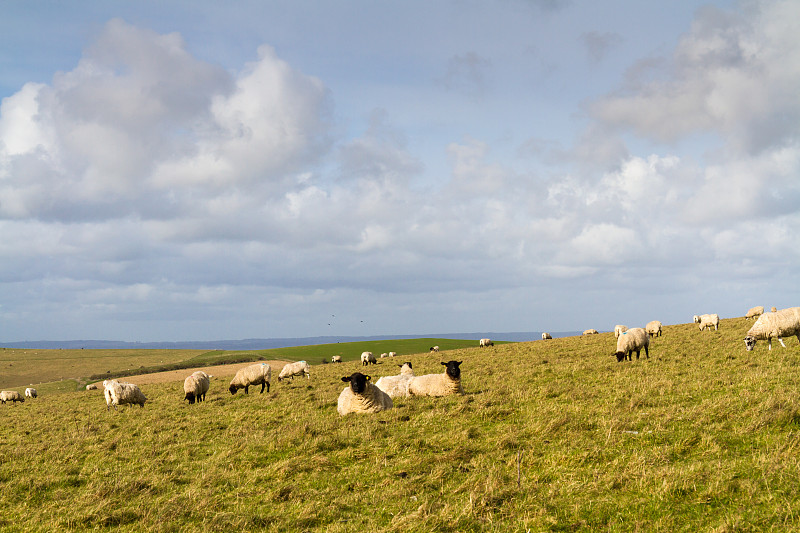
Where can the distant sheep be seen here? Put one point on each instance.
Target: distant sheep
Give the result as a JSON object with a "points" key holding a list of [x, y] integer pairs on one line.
{"points": [[619, 329], [196, 386], [706, 321], [392, 354], [336, 359], [438, 384], [384, 354], [774, 309], [291, 370], [546, 336], [117, 393], [483, 343], [653, 328], [362, 396], [755, 312], [367, 358], [632, 340], [397, 386], [783, 323], [257, 374], [31, 393], [590, 332], [11, 396], [91, 386], [434, 348]]}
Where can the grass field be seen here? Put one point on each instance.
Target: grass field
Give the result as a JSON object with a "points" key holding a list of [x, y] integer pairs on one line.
{"points": [[549, 436]]}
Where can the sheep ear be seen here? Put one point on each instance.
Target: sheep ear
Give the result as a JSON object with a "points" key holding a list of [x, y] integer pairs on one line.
{"points": [[444, 364], [368, 378], [346, 379]]}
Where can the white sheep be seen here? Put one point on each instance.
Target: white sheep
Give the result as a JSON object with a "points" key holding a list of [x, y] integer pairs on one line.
{"points": [[290, 370], [392, 354], [367, 358], [396, 386], [336, 359], [257, 374], [91, 386], [362, 396], [706, 321], [546, 336], [118, 393], [590, 332], [438, 384], [632, 340], [755, 312], [783, 323], [483, 343], [774, 309], [11, 396], [196, 386], [619, 329], [31, 393], [653, 328], [384, 354], [434, 348]]}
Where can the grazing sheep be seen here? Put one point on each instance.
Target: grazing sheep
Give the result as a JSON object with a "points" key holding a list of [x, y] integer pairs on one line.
{"points": [[11, 396], [118, 393], [546, 336], [31, 393], [257, 374], [774, 309], [367, 358], [392, 354], [783, 323], [91, 386], [397, 385], [706, 321], [438, 384], [196, 386], [290, 370], [633, 340], [336, 359], [619, 329], [653, 328], [384, 354], [755, 312], [362, 396], [485, 343], [591, 332], [434, 348]]}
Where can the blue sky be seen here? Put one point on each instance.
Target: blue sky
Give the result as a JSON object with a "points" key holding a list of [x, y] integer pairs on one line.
{"points": [[196, 171]]}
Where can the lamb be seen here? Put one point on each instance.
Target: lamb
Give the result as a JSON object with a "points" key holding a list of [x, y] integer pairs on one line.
{"points": [[706, 321], [31, 393], [546, 336], [118, 393], [11, 396], [362, 396], [755, 312], [633, 340], [783, 323], [438, 384], [619, 329], [483, 343], [590, 332], [434, 348], [196, 386], [367, 358], [290, 370], [653, 328], [397, 385], [336, 359], [257, 374]]}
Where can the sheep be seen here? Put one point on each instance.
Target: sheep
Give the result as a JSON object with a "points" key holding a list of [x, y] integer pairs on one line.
{"points": [[367, 358], [91, 386], [590, 332], [546, 336], [783, 323], [483, 343], [31, 393], [11, 396], [384, 354], [706, 321], [290, 370], [196, 386], [619, 329], [653, 328], [438, 384], [434, 348], [397, 385], [257, 374], [774, 309], [362, 396], [631, 341], [118, 393], [392, 354], [755, 312], [336, 359]]}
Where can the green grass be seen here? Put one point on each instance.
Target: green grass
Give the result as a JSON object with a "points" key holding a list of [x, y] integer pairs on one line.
{"points": [[550, 436]]}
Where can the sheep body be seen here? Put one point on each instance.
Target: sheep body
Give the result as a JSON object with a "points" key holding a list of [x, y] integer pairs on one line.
{"points": [[118, 393], [196, 386], [783, 323], [633, 340], [11, 396], [546, 336], [336, 359], [653, 328], [31, 393], [706, 321], [619, 329], [361, 396], [397, 386], [91, 386], [483, 343], [590, 332], [434, 348], [443, 384], [755, 312], [392, 354], [367, 358], [290, 370], [257, 374]]}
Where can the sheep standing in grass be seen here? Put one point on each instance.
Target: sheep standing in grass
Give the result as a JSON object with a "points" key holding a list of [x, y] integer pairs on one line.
{"points": [[392, 354], [336, 359], [367, 358], [706, 321], [196, 386], [397, 386], [362, 396], [653, 328], [774, 309], [755, 312], [118, 393], [438, 384], [546, 336], [11, 396], [257, 374], [783, 323], [434, 348], [633, 340], [291, 370], [590, 332], [484, 343], [31, 393], [619, 329]]}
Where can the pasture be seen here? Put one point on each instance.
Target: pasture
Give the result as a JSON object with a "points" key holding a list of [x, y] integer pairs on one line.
{"points": [[549, 436]]}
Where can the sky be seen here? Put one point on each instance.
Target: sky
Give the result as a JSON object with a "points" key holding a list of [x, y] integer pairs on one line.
{"points": [[189, 170]]}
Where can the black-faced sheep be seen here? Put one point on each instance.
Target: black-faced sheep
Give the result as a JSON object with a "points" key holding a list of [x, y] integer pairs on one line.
{"points": [[257, 374], [434, 348], [546, 336], [653, 328], [633, 340], [706, 321], [362, 396], [31, 393], [438, 384], [290, 370], [484, 343], [117, 393], [11, 396], [336, 359], [783, 323], [397, 386], [367, 358], [196, 386], [619, 329]]}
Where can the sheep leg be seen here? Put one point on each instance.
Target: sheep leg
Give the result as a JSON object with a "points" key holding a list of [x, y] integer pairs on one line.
{"points": [[647, 352], [247, 389], [267, 386], [262, 387], [780, 340]]}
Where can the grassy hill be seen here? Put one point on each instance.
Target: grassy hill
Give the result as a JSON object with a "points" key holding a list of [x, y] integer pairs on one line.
{"points": [[549, 436]]}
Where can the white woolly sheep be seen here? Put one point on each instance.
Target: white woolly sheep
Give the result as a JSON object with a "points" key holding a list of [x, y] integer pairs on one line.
{"points": [[392, 354], [396, 386], [367, 358], [31, 393], [384, 354], [632, 340], [91, 386], [118, 393], [362, 396], [706, 321], [590, 332], [483, 343], [619, 329], [438, 384], [434, 348], [653, 328], [196, 386], [774, 309], [546, 336], [336, 359], [755, 312], [290, 370], [257, 374], [11, 396], [783, 323]]}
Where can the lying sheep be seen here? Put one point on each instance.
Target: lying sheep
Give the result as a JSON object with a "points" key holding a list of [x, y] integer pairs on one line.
{"points": [[397, 386], [91, 386], [546, 336], [336, 359], [31, 393], [118, 393], [653, 328], [483, 343], [783, 323], [257, 374], [11, 396], [434, 348], [196, 386], [706, 321], [290, 370], [438, 384], [362, 396], [619, 329], [755, 312], [367, 358], [633, 340], [590, 332]]}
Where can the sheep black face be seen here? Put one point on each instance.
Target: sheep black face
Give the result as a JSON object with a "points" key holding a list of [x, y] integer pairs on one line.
{"points": [[620, 356], [453, 369], [233, 389], [404, 364], [190, 397], [358, 382], [749, 342]]}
